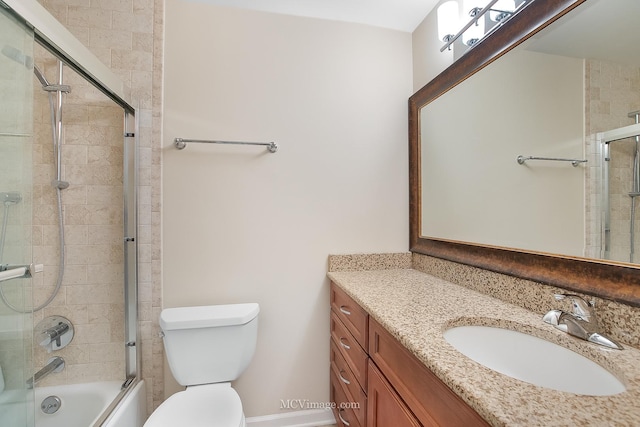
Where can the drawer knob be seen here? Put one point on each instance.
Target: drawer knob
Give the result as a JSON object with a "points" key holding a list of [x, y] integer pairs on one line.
{"points": [[344, 310], [346, 346], [345, 422], [343, 379]]}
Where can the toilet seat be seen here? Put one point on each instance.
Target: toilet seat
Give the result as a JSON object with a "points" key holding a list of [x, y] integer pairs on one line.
{"points": [[209, 405]]}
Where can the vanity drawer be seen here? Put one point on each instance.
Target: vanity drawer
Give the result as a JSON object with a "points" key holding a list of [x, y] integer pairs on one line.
{"points": [[349, 348], [347, 380], [342, 411], [431, 401], [354, 317]]}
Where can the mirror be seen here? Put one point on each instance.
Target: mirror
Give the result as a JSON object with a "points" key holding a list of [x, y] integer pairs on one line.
{"points": [[558, 82]]}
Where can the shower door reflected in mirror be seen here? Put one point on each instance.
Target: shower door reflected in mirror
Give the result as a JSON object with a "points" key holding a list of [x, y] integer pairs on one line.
{"points": [[16, 136]]}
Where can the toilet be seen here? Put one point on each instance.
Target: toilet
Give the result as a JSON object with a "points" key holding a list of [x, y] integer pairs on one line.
{"points": [[207, 347]]}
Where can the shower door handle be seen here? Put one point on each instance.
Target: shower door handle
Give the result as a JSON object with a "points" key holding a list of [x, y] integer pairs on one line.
{"points": [[13, 273], [19, 271]]}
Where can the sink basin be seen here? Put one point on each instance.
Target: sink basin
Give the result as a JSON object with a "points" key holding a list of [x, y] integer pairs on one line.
{"points": [[533, 360]]}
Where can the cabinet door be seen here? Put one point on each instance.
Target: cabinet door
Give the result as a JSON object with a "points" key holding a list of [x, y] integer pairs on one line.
{"points": [[431, 400], [384, 407]]}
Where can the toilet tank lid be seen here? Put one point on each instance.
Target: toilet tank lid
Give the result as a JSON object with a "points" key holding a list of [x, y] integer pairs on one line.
{"points": [[207, 316]]}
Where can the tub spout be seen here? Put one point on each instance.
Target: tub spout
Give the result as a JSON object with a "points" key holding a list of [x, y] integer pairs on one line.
{"points": [[55, 364]]}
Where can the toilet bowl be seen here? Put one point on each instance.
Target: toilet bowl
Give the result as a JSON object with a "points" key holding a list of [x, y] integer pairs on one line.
{"points": [[200, 406], [207, 347]]}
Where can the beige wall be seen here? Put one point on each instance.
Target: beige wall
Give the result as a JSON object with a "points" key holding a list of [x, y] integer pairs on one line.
{"points": [[241, 224], [428, 61]]}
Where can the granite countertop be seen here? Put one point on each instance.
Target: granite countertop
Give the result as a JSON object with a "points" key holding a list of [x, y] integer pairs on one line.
{"points": [[416, 308]]}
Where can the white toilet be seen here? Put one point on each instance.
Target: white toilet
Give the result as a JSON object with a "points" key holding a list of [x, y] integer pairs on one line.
{"points": [[207, 347]]}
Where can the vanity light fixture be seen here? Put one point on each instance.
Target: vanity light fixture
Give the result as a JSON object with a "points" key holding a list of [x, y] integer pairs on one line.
{"points": [[448, 20], [475, 32], [502, 10], [451, 17]]}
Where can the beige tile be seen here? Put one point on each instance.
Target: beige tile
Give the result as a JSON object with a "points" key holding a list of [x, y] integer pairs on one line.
{"points": [[109, 352], [89, 18], [131, 60], [93, 333], [105, 273], [133, 22], [142, 42], [119, 5]]}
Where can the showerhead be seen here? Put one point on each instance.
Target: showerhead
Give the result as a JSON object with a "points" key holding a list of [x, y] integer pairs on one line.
{"points": [[19, 57]]}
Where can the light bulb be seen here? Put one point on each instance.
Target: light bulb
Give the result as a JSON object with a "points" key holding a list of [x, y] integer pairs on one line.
{"points": [[448, 20]]}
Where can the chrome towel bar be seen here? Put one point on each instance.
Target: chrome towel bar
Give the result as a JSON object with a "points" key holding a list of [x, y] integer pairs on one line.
{"points": [[181, 143], [574, 162]]}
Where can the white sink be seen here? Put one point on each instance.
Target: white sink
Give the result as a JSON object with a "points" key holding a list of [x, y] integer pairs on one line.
{"points": [[533, 360]]}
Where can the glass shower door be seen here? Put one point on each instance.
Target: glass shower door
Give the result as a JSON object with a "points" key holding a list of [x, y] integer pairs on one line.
{"points": [[16, 130]]}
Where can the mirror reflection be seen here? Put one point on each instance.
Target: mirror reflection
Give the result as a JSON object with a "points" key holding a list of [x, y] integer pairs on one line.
{"points": [[566, 102]]}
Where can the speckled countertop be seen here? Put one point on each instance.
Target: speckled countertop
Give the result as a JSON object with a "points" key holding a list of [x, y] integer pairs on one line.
{"points": [[416, 308]]}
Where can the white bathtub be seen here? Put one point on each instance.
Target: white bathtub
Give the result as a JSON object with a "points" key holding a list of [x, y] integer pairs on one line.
{"points": [[84, 404]]}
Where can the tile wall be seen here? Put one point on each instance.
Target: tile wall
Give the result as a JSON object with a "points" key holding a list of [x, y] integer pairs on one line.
{"points": [[126, 35], [91, 295]]}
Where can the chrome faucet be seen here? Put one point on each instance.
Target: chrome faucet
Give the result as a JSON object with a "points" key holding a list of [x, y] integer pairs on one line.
{"points": [[581, 322], [55, 364]]}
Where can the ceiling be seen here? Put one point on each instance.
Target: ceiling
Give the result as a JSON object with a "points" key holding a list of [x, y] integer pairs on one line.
{"points": [[402, 15], [606, 30]]}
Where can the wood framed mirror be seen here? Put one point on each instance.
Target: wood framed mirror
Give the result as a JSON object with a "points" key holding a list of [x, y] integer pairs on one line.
{"points": [[614, 280]]}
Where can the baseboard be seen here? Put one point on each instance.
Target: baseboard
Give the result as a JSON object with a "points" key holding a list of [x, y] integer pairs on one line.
{"points": [[309, 418]]}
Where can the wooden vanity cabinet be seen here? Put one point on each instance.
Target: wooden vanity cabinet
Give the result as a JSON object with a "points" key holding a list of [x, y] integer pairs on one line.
{"points": [[349, 358], [377, 382], [429, 399]]}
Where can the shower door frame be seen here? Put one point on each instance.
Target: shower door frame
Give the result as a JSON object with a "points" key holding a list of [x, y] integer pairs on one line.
{"points": [[603, 139], [54, 37]]}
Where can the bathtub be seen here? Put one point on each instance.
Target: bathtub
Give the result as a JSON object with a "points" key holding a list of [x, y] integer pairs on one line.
{"points": [[84, 405]]}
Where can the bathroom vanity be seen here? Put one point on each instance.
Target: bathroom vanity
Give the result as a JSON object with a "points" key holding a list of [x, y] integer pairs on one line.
{"points": [[373, 375], [391, 365]]}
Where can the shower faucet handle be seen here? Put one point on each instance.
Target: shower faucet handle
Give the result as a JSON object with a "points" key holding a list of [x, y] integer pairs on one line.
{"points": [[54, 332]]}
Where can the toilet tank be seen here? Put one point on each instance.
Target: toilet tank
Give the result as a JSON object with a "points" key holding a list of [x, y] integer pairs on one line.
{"points": [[209, 344]]}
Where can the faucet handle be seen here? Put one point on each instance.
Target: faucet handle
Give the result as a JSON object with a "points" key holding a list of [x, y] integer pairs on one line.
{"points": [[54, 332], [581, 308]]}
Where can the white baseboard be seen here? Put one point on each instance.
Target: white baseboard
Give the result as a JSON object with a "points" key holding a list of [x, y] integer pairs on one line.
{"points": [[309, 418]]}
